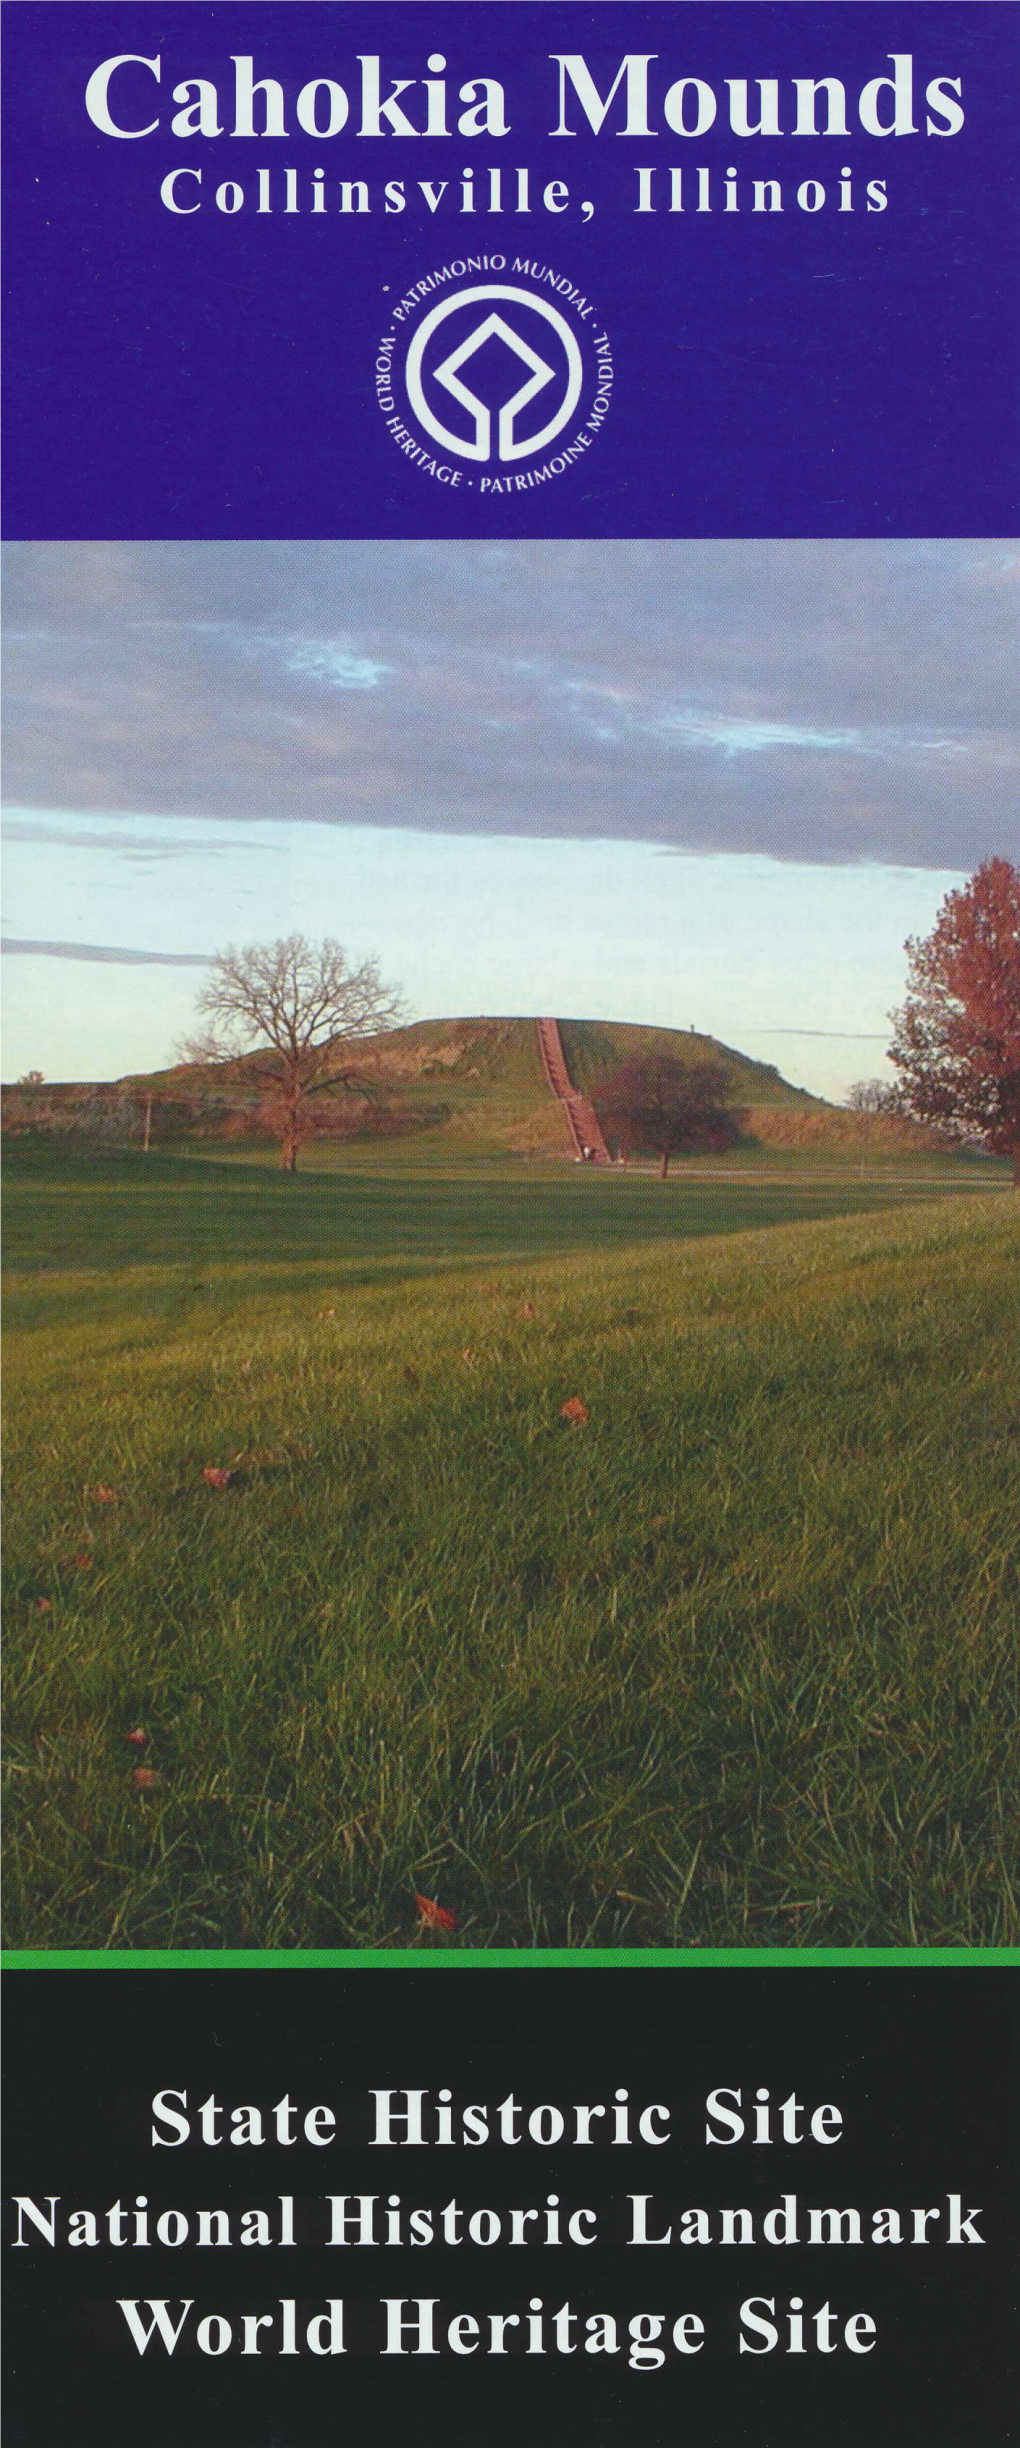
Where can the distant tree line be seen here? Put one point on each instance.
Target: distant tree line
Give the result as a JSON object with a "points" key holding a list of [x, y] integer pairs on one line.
{"points": [[125, 1117]]}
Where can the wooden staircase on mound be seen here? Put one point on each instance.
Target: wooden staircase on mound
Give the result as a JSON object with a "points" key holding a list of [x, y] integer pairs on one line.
{"points": [[578, 1111]]}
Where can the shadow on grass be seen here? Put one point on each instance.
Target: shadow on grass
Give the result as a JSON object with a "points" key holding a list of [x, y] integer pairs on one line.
{"points": [[70, 1213]]}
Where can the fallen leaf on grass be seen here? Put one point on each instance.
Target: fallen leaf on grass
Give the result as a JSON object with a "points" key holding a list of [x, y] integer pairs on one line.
{"points": [[325, 1313], [469, 1355], [575, 1411], [433, 1915], [144, 1779], [526, 1310], [411, 1377], [215, 1476], [103, 1495], [138, 1738], [83, 1562], [42, 1606]]}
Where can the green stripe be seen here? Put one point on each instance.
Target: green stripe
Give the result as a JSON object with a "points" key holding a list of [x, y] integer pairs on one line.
{"points": [[430, 1958]]}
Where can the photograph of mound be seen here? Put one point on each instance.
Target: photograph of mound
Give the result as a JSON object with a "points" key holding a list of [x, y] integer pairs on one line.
{"points": [[512, 1126]]}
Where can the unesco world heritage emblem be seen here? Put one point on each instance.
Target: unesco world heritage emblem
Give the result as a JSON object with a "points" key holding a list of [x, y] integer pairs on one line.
{"points": [[496, 374]]}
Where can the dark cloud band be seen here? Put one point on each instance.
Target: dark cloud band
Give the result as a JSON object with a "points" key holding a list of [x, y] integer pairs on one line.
{"points": [[105, 952]]}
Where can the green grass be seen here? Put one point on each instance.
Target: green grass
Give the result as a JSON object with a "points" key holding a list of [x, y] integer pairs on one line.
{"points": [[734, 1662]]}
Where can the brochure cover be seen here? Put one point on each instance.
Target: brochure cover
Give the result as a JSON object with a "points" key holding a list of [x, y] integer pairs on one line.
{"points": [[512, 1124]]}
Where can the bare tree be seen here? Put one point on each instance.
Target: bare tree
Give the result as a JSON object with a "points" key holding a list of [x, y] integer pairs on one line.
{"points": [[874, 1096], [289, 1010]]}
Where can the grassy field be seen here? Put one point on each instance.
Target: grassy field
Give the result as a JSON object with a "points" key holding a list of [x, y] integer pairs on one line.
{"points": [[731, 1660]]}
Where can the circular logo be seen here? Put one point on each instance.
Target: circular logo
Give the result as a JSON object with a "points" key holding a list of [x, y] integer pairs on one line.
{"points": [[508, 375], [560, 366]]}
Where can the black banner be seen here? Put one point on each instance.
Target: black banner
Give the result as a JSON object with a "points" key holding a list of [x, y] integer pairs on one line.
{"points": [[711, 2207]]}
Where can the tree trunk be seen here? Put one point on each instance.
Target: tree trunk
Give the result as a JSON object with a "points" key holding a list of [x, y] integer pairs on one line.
{"points": [[664, 1167], [291, 1135]]}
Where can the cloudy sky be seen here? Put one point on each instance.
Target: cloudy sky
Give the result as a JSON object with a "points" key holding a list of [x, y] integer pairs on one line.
{"points": [[678, 782]]}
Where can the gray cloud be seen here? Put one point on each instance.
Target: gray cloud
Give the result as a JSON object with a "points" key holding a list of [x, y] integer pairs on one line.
{"points": [[828, 702], [105, 952], [142, 846]]}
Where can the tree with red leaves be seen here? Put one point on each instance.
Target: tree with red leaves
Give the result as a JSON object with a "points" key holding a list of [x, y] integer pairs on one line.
{"points": [[957, 1041], [668, 1106]]}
